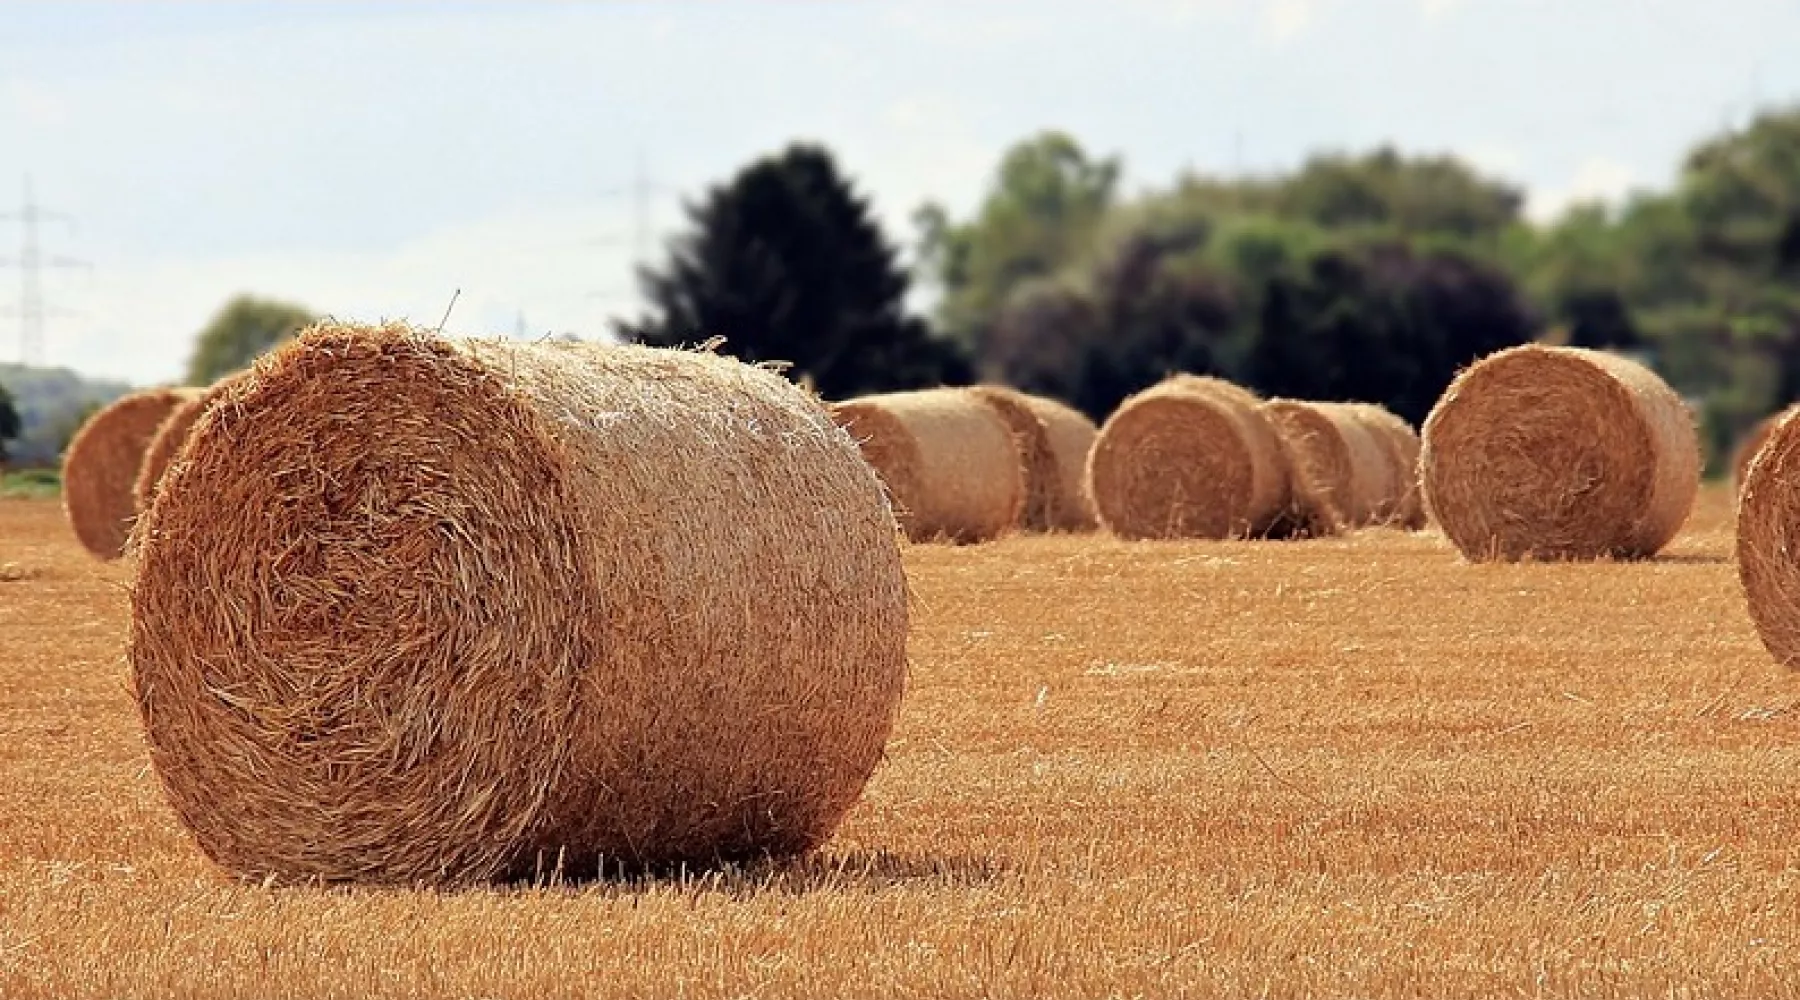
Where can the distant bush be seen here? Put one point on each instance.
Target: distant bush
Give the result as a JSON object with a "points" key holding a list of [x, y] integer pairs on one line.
{"points": [[31, 484]]}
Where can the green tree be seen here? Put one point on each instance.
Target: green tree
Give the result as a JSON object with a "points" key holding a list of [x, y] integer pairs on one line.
{"points": [[1414, 196], [1040, 215], [1126, 320], [1383, 324], [10, 424], [245, 329], [1742, 191], [786, 262]]}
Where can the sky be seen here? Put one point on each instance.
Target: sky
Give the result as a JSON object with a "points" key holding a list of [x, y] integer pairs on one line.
{"points": [[382, 160]]}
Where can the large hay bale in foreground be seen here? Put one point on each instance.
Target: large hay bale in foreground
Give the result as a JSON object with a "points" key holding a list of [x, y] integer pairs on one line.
{"points": [[949, 462], [1053, 442], [167, 442], [1190, 457], [1402, 503], [477, 609], [1559, 453], [1339, 472], [100, 469], [1751, 444], [1768, 541]]}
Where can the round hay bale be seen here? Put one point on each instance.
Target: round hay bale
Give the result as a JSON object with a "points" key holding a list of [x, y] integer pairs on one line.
{"points": [[100, 468], [1559, 453], [1190, 457], [1339, 470], [1031, 443], [947, 458], [1768, 539], [1402, 503], [475, 610], [1071, 436], [1053, 441], [1751, 443], [167, 442]]}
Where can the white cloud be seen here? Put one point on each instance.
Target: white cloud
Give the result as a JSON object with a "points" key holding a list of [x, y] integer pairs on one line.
{"points": [[1495, 158], [139, 316], [1597, 178], [33, 103], [1437, 10], [1185, 11], [1288, 19]]}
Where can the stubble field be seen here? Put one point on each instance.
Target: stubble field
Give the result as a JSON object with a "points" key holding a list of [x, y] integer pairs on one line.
{"points": [[1354, 767]]}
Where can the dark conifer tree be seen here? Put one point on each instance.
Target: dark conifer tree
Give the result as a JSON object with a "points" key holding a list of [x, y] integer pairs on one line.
{"points": [[786, 263]]}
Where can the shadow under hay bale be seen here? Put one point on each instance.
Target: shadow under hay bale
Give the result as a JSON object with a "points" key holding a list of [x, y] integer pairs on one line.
{"points": [[1053, 442], [947, 458], [100, 469], [1190, 457], [474, 605], [856, 871], [1559, 453]]}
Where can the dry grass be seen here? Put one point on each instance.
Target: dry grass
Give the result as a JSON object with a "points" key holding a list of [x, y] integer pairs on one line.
{"points": [[1348, 767]]}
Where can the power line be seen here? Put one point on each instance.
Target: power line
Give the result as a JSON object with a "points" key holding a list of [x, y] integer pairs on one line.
{"points": [[32, 263], [642, 191]]}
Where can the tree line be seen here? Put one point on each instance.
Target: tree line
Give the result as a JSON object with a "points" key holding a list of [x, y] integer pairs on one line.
{"points": [[1370, 276]]}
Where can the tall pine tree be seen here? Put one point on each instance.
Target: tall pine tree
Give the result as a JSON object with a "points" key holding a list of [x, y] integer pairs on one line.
{"points": [[785, 263]]}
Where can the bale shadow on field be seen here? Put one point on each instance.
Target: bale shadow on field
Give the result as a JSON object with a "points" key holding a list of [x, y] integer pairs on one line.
{"points": [[1691, 559], [855, 871]]}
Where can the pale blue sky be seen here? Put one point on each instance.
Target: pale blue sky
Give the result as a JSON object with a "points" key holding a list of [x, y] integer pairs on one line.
{"points": [[368, 159]]}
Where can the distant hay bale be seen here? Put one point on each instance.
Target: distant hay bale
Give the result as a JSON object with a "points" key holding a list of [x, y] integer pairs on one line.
{"points": [[1559, 453], [1339, 471], [1403, 502], [1190, 457], [1053, 442], [1071, 438], [947, 458], [1751, 444], [477, 609], [1768, 539], [167, 442], [100, 468], [1031, 442]]}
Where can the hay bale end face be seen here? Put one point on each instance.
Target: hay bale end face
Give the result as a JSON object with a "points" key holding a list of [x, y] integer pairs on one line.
{"points": [[948, 460], [1190, 457], [1053, 442], [1071, 436], [1339, 470], [1402, 503], [1031, 442], [479, 609], [100, 468], [1768, 540], [1559, 453]]}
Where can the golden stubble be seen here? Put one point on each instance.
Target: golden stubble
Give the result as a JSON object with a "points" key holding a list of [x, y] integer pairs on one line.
{"points": [[1349, 767]]}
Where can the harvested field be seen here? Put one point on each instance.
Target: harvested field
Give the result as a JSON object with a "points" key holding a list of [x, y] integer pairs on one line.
{"points": [[1355, 766]]}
